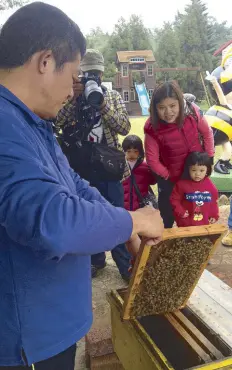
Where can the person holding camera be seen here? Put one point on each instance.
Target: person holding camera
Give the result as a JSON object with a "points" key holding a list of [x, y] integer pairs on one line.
{"points": [[91, 123]]}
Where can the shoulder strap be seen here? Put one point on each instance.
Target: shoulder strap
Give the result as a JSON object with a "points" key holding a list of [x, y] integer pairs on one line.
{"points": [[193, 110], [139, 195], [85, 118]]}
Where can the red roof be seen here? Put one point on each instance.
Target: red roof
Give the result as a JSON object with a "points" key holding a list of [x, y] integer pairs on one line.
{"points": [[218, 51]]}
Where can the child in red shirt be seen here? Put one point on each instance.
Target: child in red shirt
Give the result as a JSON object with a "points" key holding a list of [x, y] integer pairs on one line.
{"points": [[194, 198], [140, 173]]}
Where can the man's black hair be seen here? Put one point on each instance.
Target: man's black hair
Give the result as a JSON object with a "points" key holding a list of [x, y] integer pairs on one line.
{"points": [[200, 159], [133, 142], [37, 27]]}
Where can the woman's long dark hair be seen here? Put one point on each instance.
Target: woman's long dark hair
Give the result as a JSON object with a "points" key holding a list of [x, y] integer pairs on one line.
{"points": [[169, 89], [197, 158], [133, 142]]}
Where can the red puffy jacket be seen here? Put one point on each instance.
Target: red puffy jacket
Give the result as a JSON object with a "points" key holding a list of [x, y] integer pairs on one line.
{"points": [[144, 179], [168, 146]]}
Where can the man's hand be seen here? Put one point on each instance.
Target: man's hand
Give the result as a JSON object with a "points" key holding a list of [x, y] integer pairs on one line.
{"points": [[148, 223], [133, 245], [78, 87]]}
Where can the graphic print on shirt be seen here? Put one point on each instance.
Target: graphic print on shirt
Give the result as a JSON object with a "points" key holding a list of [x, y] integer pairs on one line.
{"points": [[96, 134], [199, 198]]}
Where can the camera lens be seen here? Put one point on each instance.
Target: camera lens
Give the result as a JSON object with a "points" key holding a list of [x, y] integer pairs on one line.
{"points": [[93, 94]]}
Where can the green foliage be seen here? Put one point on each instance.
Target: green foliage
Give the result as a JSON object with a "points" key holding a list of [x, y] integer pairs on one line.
{"points": [[97, 39], [168, 52], [187, 42], [10, 4], [195, 35], [127, 35]]}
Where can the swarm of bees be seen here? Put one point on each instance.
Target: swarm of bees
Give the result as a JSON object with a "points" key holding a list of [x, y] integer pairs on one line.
{"points": [[171, 271]]}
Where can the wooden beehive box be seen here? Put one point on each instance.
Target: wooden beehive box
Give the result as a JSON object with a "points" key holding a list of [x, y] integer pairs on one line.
{"points": [[176, 341], [165, 275]]}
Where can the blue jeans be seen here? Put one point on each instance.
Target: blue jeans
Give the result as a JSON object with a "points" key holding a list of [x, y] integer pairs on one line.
{"points": [[113, 192]]}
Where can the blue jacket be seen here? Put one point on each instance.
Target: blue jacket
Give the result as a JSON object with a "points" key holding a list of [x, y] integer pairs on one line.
{"points": [[51, 221]]}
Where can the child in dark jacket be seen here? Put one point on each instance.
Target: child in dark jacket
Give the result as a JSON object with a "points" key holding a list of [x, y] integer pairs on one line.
{"points": [[133, 148], [194, 198]]}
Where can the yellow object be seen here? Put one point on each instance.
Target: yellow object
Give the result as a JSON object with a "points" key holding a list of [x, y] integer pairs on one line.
{"points": [[220, 118], [138, 351], [226, 76], [133, 346], [227, 240], [198, 216], [226, 57]]}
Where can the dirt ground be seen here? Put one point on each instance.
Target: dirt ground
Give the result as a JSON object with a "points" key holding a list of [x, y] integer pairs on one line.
{"points": [[222, 260]]}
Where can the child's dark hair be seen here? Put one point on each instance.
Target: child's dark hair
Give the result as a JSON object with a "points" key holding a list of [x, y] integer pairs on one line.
{"points": [[133, 142], [200, 159], [169, 89]]}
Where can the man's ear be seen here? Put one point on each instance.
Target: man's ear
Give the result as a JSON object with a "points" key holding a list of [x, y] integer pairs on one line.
{"points": [[46, 61]]}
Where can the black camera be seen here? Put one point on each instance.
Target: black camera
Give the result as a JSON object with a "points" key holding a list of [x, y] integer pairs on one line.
{"points": [[93, 91]]}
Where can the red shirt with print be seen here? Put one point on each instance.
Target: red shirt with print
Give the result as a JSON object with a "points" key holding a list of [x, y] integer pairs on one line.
{"points": [[198, 198]]}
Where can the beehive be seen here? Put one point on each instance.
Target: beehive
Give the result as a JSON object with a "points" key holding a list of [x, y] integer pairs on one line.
{"points": [[176, 341], [165, 275]]}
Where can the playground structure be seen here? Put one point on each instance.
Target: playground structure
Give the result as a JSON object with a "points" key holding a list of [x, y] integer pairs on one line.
{"points": [[144, 99], [135, 68], [136, 80]]}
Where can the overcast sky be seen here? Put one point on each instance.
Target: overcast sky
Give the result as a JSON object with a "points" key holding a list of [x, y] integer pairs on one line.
{"points": [[90, 13]]}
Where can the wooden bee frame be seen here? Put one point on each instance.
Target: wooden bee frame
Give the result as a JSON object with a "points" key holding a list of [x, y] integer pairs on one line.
{"points": [[212, 233]]}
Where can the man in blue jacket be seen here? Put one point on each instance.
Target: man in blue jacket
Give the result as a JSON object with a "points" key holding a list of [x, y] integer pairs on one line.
{"points": [[51, 221]]}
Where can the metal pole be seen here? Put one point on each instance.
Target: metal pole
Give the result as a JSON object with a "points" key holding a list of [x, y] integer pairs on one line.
{"points": [[206, 93]]}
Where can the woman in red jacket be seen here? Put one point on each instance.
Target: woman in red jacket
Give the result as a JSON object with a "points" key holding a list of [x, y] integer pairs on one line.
{"points": [[194, 197], [133, 148], [175, 129]]}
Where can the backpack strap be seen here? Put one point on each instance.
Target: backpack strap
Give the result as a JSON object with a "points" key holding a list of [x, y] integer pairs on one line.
{"points": [[195, 112]]}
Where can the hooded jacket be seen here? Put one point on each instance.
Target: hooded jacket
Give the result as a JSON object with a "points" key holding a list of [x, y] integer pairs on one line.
{"points": [[144, 178]]}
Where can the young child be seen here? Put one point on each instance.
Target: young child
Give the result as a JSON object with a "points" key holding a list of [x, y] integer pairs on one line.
{"points": [[194, 198], [133, 148]]}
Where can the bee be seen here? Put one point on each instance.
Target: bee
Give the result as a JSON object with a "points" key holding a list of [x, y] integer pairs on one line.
{"points": [[168, 279]]}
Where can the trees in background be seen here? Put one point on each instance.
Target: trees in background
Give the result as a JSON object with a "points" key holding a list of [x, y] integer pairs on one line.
{"points": [[189, 41], [10, 4]]}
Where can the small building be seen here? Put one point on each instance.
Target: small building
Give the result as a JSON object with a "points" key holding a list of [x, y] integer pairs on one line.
{"points": [[134, 67]]}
